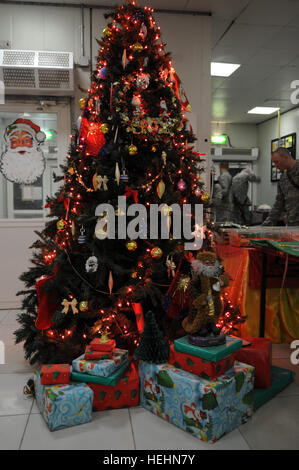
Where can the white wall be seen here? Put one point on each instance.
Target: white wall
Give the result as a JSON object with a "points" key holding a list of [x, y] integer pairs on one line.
{"points": [[241, 135], [266, 132]]}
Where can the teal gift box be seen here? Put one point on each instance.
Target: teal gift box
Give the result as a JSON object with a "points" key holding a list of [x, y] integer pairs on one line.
{"points": [[101, 367], [113, 379], [206, 409], [211, 353], [63, 406]]}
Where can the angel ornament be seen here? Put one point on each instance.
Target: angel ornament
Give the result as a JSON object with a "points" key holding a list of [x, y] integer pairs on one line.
{"points": [[208, 279]]}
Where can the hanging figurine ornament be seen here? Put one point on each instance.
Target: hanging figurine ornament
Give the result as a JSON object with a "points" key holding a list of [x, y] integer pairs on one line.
{"points": [[171, 267], [82, 236], [161, 189], [91, 265], [142, 81], [70, 304], [117, 173], [98, 181]]}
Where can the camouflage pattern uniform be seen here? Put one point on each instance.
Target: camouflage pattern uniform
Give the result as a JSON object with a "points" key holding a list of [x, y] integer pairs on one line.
{"points": [[216, 200], [224, 210], [241, 202], [287, 199]]}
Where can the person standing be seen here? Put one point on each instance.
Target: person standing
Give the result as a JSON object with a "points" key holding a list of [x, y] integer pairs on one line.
{"points": [[224, 210], [241, 201], [287, 198]]}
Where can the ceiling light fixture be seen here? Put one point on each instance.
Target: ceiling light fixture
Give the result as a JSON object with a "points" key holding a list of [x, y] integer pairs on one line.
{"points": [[262, 110], [223, 69]]}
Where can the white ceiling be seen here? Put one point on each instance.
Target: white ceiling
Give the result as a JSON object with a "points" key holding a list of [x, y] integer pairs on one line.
{"points": [[261, 35]]}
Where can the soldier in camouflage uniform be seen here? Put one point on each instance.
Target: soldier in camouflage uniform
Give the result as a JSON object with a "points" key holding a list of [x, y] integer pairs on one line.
{"points": [[287, 199], [224, 210], [240, 183]]}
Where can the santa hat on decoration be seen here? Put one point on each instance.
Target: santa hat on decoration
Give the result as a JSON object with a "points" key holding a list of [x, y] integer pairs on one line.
{"points": [[28, 126]]}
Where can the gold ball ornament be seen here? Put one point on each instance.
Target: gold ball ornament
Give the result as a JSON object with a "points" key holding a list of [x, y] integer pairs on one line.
{"points": [[60, 225], [205, 197], [131, 245], [82, 102], [104, 128], [106, 32], [156, 252], [137, 47], [83, 306], [133, 150]]}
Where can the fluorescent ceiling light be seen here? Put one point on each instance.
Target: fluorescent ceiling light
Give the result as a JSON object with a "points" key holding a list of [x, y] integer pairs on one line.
{"points": [[222, 69], [262, 110]]}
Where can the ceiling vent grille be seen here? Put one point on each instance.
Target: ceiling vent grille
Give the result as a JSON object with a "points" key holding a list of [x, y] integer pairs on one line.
{"points": [[232, 154], [37, 72]]}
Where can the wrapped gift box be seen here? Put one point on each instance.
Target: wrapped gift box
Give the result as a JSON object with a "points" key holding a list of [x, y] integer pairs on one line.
{"points": [[101, 368], [63, 406], [196, 365], [97, 345], [96, 355], [211, 353], [124, 394], [259, 355], [113, 379], [52, 374], [206, 409], [280, 379]]}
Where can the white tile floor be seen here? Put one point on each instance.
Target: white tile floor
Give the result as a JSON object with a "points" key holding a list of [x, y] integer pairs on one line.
{"points": [[274, 426]]}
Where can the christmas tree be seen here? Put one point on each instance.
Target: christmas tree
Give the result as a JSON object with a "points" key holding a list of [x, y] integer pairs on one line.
{"points": [[133, 140], [153, 346]]}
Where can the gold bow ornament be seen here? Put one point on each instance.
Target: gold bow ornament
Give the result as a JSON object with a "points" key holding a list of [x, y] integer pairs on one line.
{"points": [[71, 304]]}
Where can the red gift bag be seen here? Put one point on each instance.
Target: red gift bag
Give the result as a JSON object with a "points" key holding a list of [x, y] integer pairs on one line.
{"points": [[258, 355]]}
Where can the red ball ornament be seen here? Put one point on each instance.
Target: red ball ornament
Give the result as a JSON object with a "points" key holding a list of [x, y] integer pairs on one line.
{"points": [[182, 185]]}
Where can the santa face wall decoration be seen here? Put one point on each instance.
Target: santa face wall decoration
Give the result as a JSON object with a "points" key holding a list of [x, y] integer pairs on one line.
{"points": [[22, 160]]}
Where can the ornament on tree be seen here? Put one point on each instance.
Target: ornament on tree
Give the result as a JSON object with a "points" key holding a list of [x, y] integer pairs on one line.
{"points": [[69, 305], [206, 306], [142, 81], [137, 47], [117, 174], [171, 267], [161, 189], [133, 150], [164, 158], [98, 181], [110, 282], [104, 128], [82, 102], [156, 252], [124, 177], [143, 32], [82, 236], [107, 32], [154, 149], [137, 105], [103, 73], [182, 185], [131, 245], [124, 59], [93, 135], [205, 197], [83, 306], [153, 347], [60, 224], [91, 265]]}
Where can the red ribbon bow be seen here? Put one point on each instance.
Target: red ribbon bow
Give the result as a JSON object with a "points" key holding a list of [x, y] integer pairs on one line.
{"points": [[132, 192]]}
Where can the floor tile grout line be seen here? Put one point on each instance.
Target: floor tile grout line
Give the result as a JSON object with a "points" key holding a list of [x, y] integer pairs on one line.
{"points": [[23, 435], [12, 416], [243, 437], [131, 422]]}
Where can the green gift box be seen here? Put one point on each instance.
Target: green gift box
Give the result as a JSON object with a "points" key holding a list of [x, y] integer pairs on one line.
{"points": [[280, 379], [211, 353], [113, 379]]}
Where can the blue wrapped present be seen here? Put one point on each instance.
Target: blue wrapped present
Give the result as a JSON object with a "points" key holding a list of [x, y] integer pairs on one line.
{"points": [[206, 409], [101, 367], [63, 406]]}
